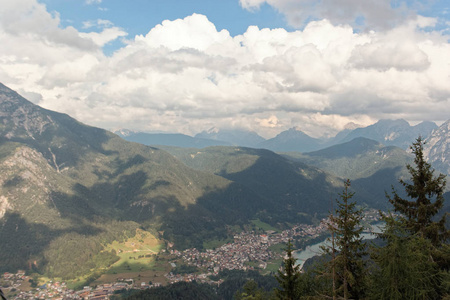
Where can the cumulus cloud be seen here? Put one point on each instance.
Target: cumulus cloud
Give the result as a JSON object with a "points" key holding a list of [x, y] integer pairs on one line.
{"points": [[89, 2], [185, 75], [380, 14]]}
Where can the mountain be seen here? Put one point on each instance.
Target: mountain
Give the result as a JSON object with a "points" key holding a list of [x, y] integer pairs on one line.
{"points": [[67, 189], [371, 166], [168, 139], [437, 148], [361, 157], [392, 132], [281, 181], [291, 140], [234, 137]]}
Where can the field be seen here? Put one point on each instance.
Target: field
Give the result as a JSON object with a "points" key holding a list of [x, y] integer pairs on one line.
{"points": [[264, 226], [136, 253], [140, 260]]}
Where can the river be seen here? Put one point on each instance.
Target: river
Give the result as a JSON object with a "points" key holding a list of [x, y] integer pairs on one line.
{"points": [[313, 250]]}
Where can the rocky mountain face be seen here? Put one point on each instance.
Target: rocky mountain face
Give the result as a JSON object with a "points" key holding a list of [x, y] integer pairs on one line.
{"points": [[437, 148], [392, 132]]}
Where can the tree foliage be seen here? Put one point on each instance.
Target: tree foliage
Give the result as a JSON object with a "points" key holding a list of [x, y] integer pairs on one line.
{"points": [[404, 269], [347, 267], [289, 277], [427, 199]]}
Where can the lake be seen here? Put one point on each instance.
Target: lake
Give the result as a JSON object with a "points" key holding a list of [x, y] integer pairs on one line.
{"points": [[313, 250]]}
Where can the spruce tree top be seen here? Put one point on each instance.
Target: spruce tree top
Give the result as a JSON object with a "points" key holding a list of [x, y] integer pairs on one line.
{"points": [[426, 192]]}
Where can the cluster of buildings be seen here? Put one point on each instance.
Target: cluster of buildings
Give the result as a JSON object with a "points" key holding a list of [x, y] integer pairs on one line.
{"points": [[249, 249], [59, 290]]}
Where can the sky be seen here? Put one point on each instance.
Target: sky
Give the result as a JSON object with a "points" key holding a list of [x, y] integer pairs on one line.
{"points": [[186, 66]]}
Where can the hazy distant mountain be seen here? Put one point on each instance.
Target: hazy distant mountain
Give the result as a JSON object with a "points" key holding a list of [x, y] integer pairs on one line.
{"points": [[359, 158], [234, 137], [168, 139], [372, 167], [292, 140], [341, 134], [392, 132], [437, 148]]}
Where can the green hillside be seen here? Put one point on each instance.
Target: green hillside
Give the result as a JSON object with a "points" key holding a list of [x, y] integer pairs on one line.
{"points": [[372, 167], [359, 158], [69, 189], [286, 185]]}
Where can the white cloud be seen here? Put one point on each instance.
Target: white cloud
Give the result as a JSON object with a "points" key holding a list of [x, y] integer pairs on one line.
{"points": [[100, 23], [362, 14], [185, 75]]}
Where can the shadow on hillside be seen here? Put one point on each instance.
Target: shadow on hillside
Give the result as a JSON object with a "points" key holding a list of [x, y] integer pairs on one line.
{"points": [[23, 243], [380, 183], [121, 165], [274, 191]]}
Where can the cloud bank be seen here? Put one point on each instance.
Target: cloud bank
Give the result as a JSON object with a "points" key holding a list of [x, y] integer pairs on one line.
{"points": [[186, 76]]}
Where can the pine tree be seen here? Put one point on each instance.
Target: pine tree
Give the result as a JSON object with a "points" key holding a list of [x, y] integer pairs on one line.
{"points": [[426, 193], [404, 269], [289, 277], [425, 239], [347, 266]]}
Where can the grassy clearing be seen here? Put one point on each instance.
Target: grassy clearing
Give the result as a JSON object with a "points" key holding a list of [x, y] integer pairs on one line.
{"points": [[136, 254], [213, 244], [156, 274], [278, 248], [273, 265], [264, 226]]}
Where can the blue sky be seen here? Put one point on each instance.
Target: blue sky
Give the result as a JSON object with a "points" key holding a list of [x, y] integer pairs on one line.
{"points": [[261, 65], [139, 16]]}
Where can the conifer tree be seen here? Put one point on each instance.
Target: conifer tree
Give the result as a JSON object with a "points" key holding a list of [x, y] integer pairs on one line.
{"points": [[417, 233], [404, 269], [426, 193], [347, 265], [289, 277]]}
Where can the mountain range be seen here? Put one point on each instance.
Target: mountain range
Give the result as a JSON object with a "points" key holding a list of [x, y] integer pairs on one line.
{"points": [[68, 189], [397, 133]]}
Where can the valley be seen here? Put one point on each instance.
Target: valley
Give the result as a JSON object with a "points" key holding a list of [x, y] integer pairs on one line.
{"points": [[83, 206]]}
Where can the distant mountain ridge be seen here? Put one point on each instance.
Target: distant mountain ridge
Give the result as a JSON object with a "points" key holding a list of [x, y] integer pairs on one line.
{"points": [[291, 140], [392, 132], [234, 137], [397, 133], [169, 139]]}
